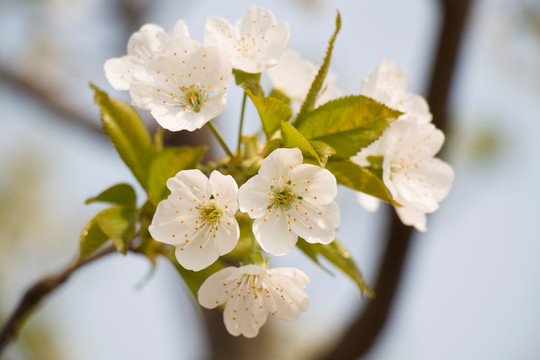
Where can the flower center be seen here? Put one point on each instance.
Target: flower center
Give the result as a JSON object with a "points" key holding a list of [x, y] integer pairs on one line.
{"points": [[402, 163], [193, 97], [210, 214], [282, 197]]}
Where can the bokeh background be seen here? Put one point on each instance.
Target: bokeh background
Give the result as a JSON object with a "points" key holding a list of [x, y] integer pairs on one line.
{"points": [[469, 287]]}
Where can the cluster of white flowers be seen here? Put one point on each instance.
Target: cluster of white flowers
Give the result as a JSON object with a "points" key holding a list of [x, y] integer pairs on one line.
{"points": [[287, 198], [183, 83], [415, 178]]}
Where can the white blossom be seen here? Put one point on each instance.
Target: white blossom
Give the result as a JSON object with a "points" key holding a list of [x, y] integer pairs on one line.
{"points": [[251, 292], [388, 84], [198, 217], [293, 76], [141, 49], [254, 44], [187, 85], [288, 199], [414, 177]]}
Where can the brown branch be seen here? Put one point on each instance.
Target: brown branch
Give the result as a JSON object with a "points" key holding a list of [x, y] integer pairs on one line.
{"points": [[365, 329], [46, 97], [37, 292]]}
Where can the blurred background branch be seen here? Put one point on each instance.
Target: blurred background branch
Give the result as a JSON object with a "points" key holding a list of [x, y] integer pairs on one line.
{"points": [[365, 329]]}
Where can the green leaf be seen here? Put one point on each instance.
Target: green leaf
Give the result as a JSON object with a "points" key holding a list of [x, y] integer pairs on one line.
{"points": [[120, 194], [127, 132], [376, 165], [338, 255], [311, 98], [275, 93], [255, 88], [240, 76], [323, 150], [92, 238], [158, 139], [118, 223], [272, 145], [292, 138], [356, 177], [166, 164], [272, 112], [348, 124], [251, 146], [148, 246]]}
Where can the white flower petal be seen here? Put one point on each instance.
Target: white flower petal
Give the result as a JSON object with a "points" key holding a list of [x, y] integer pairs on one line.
{"points": [[198, 254], [368, 202], [180, 29], [254, 44], [274, 233], [386, 84], [227, 235], [315, 222], [225, 190], [299, 279], [194, 182], [440, 177], [287, 300], [254, 198], [417, 106], [277, 39], [294, 75], [212, 291], [314, 183], [257, 20], [218, 32], [412, 217], [280, 162], [145, 42], [243, 315], [118, 72], [170, 223], [142, 46]]}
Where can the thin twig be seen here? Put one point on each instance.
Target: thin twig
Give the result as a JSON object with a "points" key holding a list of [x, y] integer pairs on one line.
{"points": [[38, 291], [219, 138]]}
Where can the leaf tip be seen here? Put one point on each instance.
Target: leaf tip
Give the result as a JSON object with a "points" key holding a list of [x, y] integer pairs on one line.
{"points": [[368, 292]]}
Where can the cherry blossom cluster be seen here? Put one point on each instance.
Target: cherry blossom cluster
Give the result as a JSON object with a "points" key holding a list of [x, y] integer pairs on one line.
{"points": [[286, 198], [416, 179], [183, 83]]}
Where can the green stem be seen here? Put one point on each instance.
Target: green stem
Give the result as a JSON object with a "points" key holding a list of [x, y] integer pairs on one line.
{"points": [[253, 246], [241, 124], [220, 139]]}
